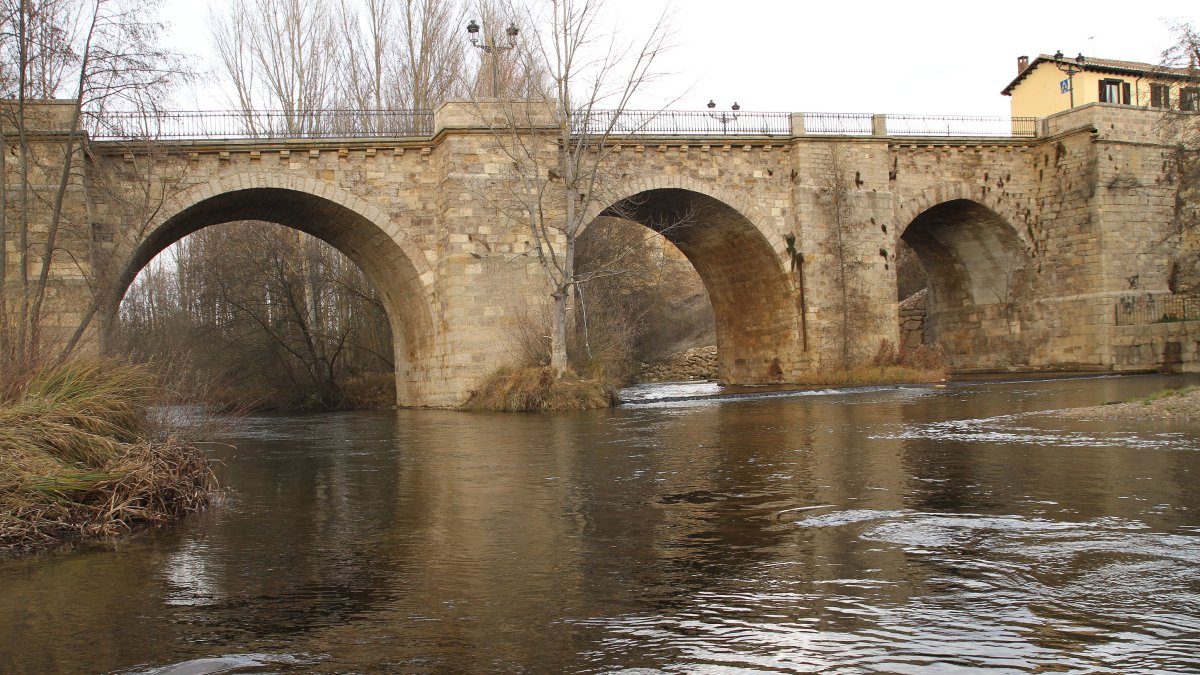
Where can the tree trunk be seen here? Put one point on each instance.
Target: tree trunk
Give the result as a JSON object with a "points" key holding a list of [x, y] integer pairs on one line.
{"points": [[23, 168], [5, 345], [558, 331]]}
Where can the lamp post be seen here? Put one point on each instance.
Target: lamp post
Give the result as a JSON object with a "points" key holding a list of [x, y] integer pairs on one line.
{"points": [[492, 49], [1070, 68], [722, 117]]}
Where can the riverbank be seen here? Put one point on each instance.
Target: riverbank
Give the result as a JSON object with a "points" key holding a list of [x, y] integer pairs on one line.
{"points": [[1169, 404], [79, 458]]}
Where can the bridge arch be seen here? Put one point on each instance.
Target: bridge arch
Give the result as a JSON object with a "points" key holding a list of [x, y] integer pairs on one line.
{"points": [[753, 298], [979, 270], [909, 209], [360, 230]]}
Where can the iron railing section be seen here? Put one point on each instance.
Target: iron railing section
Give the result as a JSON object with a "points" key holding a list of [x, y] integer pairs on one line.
{"points": [[1143, 309], [263, 124], [838, 124], [960, 125], [681, 123], [276, 124]]}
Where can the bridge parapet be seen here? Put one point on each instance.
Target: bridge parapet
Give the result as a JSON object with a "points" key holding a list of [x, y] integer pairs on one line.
{"points": [[494, 113], [1109, 121], [41, 116]]}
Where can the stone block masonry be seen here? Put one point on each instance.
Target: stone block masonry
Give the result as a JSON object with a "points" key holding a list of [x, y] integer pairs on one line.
{"points": [[1028, 242]]}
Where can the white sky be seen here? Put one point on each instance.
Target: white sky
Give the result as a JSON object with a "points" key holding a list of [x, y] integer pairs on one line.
{"points": [[845, 56]]}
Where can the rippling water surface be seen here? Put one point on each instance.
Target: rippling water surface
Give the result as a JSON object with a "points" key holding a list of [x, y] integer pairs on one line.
{"points": [[898, 530]]}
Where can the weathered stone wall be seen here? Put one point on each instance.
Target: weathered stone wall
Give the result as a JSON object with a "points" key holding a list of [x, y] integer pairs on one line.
{"points": [[1109, 220], [912, 320], [1075, 220], [697, 363], [70, 268]]}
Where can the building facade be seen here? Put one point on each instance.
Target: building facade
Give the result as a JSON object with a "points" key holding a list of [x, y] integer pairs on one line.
{"points": [[1052, 83]]}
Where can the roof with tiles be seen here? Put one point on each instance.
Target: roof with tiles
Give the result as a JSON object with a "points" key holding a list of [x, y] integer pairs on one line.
{"points": [[1114, 66]]}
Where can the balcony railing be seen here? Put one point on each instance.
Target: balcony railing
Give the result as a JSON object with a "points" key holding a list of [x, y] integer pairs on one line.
{"points": [[276, 124]]}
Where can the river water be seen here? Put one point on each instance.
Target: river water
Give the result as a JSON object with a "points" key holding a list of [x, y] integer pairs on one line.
{"points": [[898, 530]]}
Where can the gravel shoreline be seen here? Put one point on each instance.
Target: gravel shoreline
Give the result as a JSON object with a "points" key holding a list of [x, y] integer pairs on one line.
{"points": [[1181, 406]]}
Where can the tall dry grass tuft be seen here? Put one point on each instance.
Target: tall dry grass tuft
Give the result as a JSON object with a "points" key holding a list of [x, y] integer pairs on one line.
{"points": [[931, 358], [75, 459], [539, 389], [888, 366], [81, 411]]}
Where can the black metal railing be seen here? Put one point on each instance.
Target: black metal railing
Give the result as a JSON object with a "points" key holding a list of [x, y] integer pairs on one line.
{"points": [[964, 126], [839, 124], [1142, 309], [682, 123], [277, 124], [960, 125], [265, 124]]}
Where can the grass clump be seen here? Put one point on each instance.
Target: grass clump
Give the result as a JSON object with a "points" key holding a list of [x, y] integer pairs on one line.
{"points": [[925, 363], [75, 460], [1168, 393], [540, 389]]}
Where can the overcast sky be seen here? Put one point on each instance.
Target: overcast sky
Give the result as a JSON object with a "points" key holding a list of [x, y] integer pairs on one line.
{"points": [[837, 56]]}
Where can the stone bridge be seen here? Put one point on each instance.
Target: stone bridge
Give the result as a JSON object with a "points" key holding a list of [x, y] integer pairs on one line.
{"points": [[1028, 242]]}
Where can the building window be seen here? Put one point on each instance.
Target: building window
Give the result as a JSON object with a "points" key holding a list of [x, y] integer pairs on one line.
{"points": [[1114, 91], [1160, 96], [1189, 99]]}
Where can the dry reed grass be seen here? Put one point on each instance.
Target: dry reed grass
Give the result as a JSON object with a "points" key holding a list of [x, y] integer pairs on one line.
{"points": [[539, 389], [925, 363], [74, 460]]}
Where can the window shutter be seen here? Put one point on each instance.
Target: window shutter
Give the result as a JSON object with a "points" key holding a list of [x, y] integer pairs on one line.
{"points": [[1101, 97], [1125, 93], [1160, 96]]}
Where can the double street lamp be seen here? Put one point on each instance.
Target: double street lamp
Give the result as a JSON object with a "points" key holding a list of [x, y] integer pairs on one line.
{"points": [[1070, 67], [492, 49], [723, 117]]}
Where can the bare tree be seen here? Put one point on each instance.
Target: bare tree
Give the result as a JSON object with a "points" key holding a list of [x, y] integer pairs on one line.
{"points": [[282, 53], [1183, 57], [558, 146], [231, 297], [431, 64], [400, 55], [638, 299], [511, 67], [1180, 130], [106, 52], [841, 246], [1011, 285]]}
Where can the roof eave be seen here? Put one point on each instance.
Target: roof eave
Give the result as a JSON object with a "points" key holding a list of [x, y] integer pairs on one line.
{"points": [[1096, 68]]}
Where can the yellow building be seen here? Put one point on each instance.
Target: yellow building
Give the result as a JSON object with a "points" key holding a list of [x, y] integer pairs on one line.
{"points": [[1052, 83]]}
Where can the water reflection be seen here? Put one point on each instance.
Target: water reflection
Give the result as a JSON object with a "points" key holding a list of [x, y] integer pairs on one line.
{"points": [[878, 530]]}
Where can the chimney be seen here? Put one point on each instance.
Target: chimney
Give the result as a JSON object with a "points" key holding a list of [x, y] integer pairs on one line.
{"points": [[1022, 64]]}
